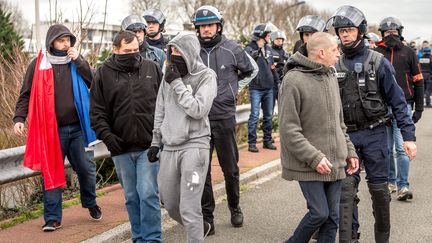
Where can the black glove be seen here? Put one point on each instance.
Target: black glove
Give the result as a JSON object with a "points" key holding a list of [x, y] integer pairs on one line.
{"points": [[416, 116], [152, 154], [114, 144], [171, 73], [255, 54]]}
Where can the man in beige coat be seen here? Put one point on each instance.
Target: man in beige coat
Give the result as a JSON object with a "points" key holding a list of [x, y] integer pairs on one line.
{"points": [[315, 146]]}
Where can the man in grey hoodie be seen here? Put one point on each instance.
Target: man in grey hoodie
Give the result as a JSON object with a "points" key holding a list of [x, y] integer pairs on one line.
{"points": [[181, 124], [314, 143]]}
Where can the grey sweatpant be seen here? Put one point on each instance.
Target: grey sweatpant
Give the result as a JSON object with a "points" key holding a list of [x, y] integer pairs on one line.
{"points": [[181, 179]]}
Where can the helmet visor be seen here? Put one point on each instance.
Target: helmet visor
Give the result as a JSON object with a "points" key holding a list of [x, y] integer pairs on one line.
{"points": [[314, 22], [348, 14]]}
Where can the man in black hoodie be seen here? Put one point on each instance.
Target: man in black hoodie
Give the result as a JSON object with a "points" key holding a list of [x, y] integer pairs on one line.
{"points": [[410, 79], [61, 56], [123, 100]]}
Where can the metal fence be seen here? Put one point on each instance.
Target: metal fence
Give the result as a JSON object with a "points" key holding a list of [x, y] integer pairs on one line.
{"points": [[11, 160]]}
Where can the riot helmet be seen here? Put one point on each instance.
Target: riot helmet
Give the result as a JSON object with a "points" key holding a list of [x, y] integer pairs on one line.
{"points": [[390, 23], [207, 15], [373, 37], [348, 16], [278, 35], [262, 30], [311, 23], [133, 23], [156, 16]]}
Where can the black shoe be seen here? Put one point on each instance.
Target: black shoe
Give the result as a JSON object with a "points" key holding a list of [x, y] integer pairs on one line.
{"points": [[51, 225], [236, 216], [209, 229], [253, 148], [95, 212], [269, 145]]}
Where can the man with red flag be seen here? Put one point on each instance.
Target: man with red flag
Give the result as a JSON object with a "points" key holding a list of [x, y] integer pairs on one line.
{"points": [[55, 97]]}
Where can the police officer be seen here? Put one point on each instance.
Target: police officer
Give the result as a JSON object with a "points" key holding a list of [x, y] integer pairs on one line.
{"points": [[410, 79], [156, 26], [367, 87], [306, 27], [138, 25], [233, 67], [426, 67], [279, 57], [261, 87]]}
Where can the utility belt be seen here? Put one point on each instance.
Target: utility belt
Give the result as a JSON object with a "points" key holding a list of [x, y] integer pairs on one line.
{"points": [[368, 125]]}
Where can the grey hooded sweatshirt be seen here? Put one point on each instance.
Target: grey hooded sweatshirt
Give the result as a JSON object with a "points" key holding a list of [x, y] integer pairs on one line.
{"points": [[182, 107]]}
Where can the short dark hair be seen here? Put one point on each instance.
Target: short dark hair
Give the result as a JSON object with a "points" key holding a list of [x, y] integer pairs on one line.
{"points": [[126, 35]]}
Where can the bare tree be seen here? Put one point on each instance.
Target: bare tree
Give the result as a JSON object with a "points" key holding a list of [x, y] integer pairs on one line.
{"points": [[139, 6]]}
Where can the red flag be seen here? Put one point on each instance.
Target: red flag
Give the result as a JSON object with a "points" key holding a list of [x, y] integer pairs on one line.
{"points": [[43, 151]]}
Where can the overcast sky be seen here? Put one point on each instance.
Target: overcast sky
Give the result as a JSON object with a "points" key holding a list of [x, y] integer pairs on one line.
{"points": [[415, 15]]}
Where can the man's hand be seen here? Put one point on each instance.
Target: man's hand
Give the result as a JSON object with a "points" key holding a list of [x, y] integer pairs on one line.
{"points": [[73, 53], [353, 165], [19, 129], [152, 154], [171, 73], [410, 149], [324, 166], [416, 116]]}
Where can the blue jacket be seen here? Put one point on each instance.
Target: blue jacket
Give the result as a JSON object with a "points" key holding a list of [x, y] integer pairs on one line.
{"points": [[391, 92], [152, 53], [266, 77]]}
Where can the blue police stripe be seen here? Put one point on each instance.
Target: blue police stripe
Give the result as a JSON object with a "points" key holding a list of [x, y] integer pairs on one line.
{"points": [[205, 18]]}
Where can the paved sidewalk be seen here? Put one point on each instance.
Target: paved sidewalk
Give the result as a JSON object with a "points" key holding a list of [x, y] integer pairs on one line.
{"points": [[78, 226]]}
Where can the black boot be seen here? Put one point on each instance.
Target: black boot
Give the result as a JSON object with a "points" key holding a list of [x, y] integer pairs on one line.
{"points": [[349, 189], [381, 211], [236, 216]]}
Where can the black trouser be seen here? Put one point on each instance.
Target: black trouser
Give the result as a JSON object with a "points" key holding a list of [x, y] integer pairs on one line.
{"points": [[224, 140]]}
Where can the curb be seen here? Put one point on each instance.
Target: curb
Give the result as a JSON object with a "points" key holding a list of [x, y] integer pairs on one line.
{"points": [[122, 232]]}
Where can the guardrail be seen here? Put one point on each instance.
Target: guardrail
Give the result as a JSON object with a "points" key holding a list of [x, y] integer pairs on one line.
{"points": [[11, 160]]}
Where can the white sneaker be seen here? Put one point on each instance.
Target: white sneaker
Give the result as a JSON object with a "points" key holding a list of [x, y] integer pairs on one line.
{"points": [[392, 188], [404, 194]]}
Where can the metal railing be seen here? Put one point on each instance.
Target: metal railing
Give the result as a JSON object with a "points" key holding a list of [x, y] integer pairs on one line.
{"points": [[11, 160]]}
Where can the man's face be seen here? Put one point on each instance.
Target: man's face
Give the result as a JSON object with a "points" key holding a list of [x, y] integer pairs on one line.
{"points": [[425, 44], [126, 48], [152, 27], [391, 32], [208, 30], [140, 34], [348, 35], [331, 55], [278, 42], [307, 36], [62, 43]]}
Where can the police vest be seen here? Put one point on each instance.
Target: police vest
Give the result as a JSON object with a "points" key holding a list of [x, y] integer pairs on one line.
{"points": [[363, 105], [425, 63]]}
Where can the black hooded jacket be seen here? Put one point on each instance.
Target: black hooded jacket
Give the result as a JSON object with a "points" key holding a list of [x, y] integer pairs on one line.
{"points": [[408, 72], [122, 104], [64, 101]]}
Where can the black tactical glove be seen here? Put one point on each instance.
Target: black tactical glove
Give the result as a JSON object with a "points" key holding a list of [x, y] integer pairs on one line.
{"points": [[114, 144], [152, 154], [416, 116], [171, 73], [255, 54]]}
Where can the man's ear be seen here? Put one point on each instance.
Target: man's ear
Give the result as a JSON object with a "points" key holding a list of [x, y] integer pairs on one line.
{"points": [[321, 53]]}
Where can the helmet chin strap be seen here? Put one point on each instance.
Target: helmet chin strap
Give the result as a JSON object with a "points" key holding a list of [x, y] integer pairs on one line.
{"points": [[151, 35]]}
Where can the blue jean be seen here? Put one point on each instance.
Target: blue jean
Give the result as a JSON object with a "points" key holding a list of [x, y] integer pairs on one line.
{"points": [[265, 98], [323, 203], [399, 161], [73, 147], [138, 178]]}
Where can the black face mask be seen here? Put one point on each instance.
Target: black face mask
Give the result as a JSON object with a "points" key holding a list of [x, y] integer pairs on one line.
{"points": [[354, 48], [128, 62], [57, 53], [180, 63], [210, 42], [392, 41]]}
